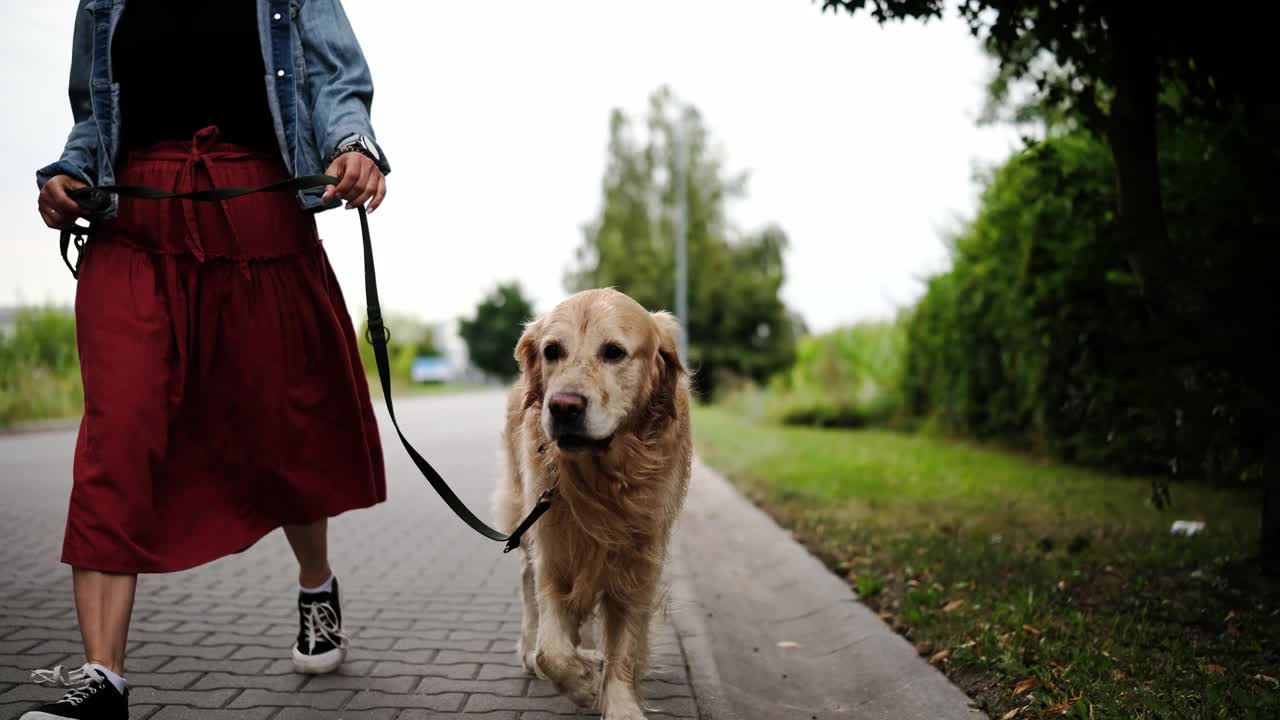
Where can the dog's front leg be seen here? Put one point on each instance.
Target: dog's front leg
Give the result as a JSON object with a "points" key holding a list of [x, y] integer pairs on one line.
{"points": [[526, 646], [626, 650], [557, 657]]}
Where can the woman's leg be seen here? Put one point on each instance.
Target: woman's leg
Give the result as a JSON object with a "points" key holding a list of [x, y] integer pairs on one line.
{"points": [[104, 604], [321, 645], [310, 545]]}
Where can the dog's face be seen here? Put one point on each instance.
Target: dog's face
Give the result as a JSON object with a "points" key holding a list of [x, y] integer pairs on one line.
{"points": [[599, 363]]}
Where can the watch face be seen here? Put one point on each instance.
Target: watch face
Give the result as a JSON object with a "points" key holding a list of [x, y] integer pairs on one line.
{"points": [[368, 145]]}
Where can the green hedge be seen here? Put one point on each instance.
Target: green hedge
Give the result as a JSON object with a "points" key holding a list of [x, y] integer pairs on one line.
{"points": [[39, 368], [846, 378], [1039, 335]]}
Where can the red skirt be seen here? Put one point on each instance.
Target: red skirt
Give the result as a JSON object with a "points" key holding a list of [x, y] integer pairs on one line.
{"points": [[224, 394]]}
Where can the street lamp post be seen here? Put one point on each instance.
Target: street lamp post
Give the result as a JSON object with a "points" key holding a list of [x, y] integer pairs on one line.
{"points": [[682, 241]]}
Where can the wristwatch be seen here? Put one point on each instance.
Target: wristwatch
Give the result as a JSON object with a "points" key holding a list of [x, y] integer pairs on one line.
{"points": [[361, 144]]}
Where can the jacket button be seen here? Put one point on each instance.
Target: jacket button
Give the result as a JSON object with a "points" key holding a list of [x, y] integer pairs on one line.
{"points": [[276, 17], [279, 73]]}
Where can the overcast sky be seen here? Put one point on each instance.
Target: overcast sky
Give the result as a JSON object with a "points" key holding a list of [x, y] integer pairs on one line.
{"points": [[861, 140]]}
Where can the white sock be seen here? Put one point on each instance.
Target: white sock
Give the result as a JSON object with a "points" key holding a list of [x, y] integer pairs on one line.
{"points": [[115, 679], [324, 587]]}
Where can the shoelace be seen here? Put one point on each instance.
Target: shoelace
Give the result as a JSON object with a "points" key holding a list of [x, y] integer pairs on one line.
{"points": [[321, 622], [83, 681]]}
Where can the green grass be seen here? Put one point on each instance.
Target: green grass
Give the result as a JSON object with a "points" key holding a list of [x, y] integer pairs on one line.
{"points": [[39, 370], [402, 388], [1039, 588], [31, 394]]}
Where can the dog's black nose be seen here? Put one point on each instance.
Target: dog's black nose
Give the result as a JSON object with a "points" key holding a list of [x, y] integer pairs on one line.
{"points": [[566, 407]]}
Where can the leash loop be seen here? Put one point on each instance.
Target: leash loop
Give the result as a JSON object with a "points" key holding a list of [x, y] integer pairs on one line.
{"points": [[97, 199]]}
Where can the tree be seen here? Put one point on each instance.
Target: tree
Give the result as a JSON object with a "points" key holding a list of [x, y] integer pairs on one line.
{"points": [[738, 324], [1126, 71], [410, 340], [491, 335]]}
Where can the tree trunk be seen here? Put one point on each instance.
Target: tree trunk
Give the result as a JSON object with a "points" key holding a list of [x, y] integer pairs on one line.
{"points": [[1170, 290], [1270, 546], [1132, 137]]}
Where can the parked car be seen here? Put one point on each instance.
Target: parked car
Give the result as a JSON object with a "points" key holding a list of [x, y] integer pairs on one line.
{"points": [[431, 369]]}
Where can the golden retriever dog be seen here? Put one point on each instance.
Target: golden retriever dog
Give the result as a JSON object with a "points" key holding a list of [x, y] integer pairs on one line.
{"points": [[600, 415]]}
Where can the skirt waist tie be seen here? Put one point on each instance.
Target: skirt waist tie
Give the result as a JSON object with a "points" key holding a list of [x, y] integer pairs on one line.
{"points": [[200, 156]]}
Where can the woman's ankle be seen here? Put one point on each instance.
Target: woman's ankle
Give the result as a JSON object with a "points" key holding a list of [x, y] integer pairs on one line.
{"points": [[115, 666], [315, 581]]}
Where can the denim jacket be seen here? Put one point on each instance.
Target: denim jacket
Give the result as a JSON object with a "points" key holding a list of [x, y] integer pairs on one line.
{"points": [[318, 86]]}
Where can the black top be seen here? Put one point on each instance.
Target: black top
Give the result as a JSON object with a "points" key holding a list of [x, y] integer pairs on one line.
{"points": [[184, 65]]}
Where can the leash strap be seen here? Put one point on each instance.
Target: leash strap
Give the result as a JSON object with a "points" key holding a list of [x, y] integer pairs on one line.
{"points": [[98, 199]]}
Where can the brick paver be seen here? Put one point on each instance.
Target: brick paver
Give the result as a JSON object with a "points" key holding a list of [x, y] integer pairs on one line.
{"points": [[431, 607]]}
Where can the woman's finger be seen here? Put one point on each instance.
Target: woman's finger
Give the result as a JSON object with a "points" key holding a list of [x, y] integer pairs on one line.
{"points": [[50, 218], [358, 189], [378, 196], [60, 201], [347, 172], [370, 189]]}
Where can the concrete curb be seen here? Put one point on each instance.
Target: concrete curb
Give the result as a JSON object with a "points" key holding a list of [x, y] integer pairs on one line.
{"points": [[770, 632], [700, 660]]}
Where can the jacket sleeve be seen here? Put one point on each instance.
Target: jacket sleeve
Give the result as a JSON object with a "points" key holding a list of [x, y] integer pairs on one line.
{"points": [[338, 77], [80, 154]]}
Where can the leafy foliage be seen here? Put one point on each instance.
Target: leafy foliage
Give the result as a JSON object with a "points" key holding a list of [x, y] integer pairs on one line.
{"points": [[1076, 53], [738, 324], [491, 335], [39, 367], [1038, 333], [410, 340], [851, 377]]}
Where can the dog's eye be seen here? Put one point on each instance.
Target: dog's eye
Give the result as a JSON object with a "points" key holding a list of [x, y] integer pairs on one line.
{"points": [[552, 352], [613, 353]]}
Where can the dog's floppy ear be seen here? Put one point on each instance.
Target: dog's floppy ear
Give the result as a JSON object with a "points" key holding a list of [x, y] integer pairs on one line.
{"points": [[529, 359], [666, 362]]}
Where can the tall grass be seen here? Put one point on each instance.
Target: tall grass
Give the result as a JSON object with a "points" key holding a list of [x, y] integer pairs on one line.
{"points": [[851, 377], [39, 367]]}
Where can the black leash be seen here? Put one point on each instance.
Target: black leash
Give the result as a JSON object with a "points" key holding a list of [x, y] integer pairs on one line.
{"points": [[98, 199]]}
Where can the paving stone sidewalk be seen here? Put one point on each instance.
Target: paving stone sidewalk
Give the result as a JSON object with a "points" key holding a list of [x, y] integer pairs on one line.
{"points": [[432, 607]]}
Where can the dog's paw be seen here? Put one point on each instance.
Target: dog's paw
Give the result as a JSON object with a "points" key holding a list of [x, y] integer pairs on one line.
{"points": [[574, 676], [625, 713], [528, 660], [620, 701]]}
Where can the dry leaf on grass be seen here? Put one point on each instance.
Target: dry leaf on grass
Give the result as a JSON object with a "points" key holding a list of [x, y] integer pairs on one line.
{"points": [[886, 616], [1024, 687], [1031, 629], [1267, 679], [788, 644], [1062, 708], [940, 656], [1213, 669], [1011, 714], [952, 606]]}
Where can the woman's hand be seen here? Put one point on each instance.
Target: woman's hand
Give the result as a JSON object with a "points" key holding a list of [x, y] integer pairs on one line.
{"points": [[57, 209], [360, 181]]}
